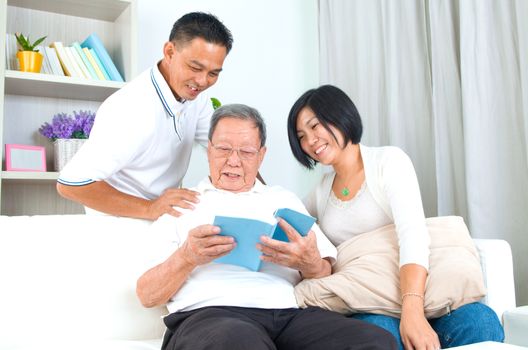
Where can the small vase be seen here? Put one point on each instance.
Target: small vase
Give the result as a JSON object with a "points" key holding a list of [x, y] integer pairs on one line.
{"points": [[64, 150], [30, 61]]}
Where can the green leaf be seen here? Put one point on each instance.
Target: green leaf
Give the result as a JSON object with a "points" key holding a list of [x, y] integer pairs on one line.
{"points": [[21, 40], [39, 41], [216, 103], [25, 43]]}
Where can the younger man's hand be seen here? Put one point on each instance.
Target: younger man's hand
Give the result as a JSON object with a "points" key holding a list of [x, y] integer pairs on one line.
{"points": [[173, 197]]}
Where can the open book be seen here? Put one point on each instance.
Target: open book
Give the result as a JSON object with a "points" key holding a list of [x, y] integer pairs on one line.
{"points": [[247, 233]]}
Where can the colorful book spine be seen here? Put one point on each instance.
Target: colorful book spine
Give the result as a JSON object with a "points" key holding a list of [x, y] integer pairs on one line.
{"points": [[56, 67], [63, 58], [100, 64], [94, 64], [70, 51], [84, 59], [93, 42], [45, 68]]}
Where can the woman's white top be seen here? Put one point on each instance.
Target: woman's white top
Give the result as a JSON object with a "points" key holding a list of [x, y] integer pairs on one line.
{"points": [[391, 194]]}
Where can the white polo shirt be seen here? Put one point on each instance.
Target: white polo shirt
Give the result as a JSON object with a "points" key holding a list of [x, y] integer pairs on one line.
{"points": [[142, 139], [216, 284]]}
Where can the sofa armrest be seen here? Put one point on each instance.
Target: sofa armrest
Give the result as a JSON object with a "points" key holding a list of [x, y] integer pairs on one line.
{"points": [[497, 267]]}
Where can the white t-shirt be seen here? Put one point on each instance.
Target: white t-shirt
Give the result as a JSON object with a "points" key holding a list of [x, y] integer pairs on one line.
{"points": [[216, 284], [142, 139]]}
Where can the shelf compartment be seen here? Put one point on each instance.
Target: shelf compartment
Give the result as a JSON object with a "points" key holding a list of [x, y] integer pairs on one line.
{"points": [[96, 9], [47, 85]]}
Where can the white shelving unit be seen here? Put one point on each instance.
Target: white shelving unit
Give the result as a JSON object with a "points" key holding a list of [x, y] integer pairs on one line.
{"points": [[28, 100]]}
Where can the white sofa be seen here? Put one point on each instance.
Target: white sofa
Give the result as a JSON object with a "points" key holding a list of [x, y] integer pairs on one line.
{"points": [[68, 282]]}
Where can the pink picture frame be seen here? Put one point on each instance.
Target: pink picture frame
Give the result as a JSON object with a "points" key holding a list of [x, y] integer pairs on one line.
{"points": [[25, 158]]}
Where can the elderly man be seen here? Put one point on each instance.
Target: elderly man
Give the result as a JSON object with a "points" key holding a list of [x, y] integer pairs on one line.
{"points": [[225, 306]]}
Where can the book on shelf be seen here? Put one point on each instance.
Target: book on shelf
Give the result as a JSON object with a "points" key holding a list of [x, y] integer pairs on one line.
{"points": [[64, 59], [11, 51], [99, 64], [247, 233], [53, 60], [80, 63], [45, 68], [93, 42], [72, 55], [86, 63], [45, 62], [94, 64]]}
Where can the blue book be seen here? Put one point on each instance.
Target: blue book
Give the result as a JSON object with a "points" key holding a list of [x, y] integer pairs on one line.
{"points": [[100, 64], [84, 59], [247, 233], [93, 42]]}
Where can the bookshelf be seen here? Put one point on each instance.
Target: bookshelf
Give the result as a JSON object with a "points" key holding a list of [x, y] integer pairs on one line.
{"points": [[30, 99]]}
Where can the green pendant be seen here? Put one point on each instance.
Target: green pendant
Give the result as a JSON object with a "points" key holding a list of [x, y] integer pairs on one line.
{"points": [[345, 191]]}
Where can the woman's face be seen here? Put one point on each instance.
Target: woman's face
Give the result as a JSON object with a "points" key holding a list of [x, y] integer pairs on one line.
{"points": [[317, 142]]}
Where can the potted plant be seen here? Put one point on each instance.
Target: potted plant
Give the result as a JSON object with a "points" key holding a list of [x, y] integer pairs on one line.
{"points": [[68, 134], [29, 58]]}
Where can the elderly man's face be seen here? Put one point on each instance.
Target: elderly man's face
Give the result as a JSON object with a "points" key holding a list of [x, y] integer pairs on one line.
{"points": [[235, 155]]}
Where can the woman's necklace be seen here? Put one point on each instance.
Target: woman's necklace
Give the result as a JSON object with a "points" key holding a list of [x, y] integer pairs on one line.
{"points": [[345, 190], [353, 170]]}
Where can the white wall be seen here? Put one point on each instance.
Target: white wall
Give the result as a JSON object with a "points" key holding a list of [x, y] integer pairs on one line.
{"points": [[273, 61]]}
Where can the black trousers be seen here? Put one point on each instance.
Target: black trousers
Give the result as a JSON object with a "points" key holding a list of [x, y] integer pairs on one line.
{"points": [[238, 328]]}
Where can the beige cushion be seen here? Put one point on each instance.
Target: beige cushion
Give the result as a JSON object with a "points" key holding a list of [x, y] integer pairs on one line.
{"points": [[366, 275]]}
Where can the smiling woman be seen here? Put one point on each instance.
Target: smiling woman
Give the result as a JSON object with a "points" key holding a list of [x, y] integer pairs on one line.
{"points": [[372, 187]]}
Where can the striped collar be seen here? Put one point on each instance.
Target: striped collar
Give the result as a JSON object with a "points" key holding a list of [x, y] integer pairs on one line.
{"points": [[169, 102]]}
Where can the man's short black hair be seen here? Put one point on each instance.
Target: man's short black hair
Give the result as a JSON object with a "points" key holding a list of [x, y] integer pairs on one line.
{"points": [[331, 106], [201, 25]]}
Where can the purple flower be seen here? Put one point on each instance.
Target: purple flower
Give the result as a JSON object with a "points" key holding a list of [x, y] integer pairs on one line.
{"points": [[84, 122], [46, 130], [64, 126]]}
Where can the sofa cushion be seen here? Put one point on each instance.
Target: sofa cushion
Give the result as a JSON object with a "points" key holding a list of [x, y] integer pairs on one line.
{"points": [[366, 275], [73, 277]]}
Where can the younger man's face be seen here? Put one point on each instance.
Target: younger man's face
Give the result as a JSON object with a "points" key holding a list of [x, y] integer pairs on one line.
{"points": [[193, 67]]}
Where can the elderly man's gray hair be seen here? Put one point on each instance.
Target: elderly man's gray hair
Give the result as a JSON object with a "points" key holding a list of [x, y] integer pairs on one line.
{"points": [[239, 111]]}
